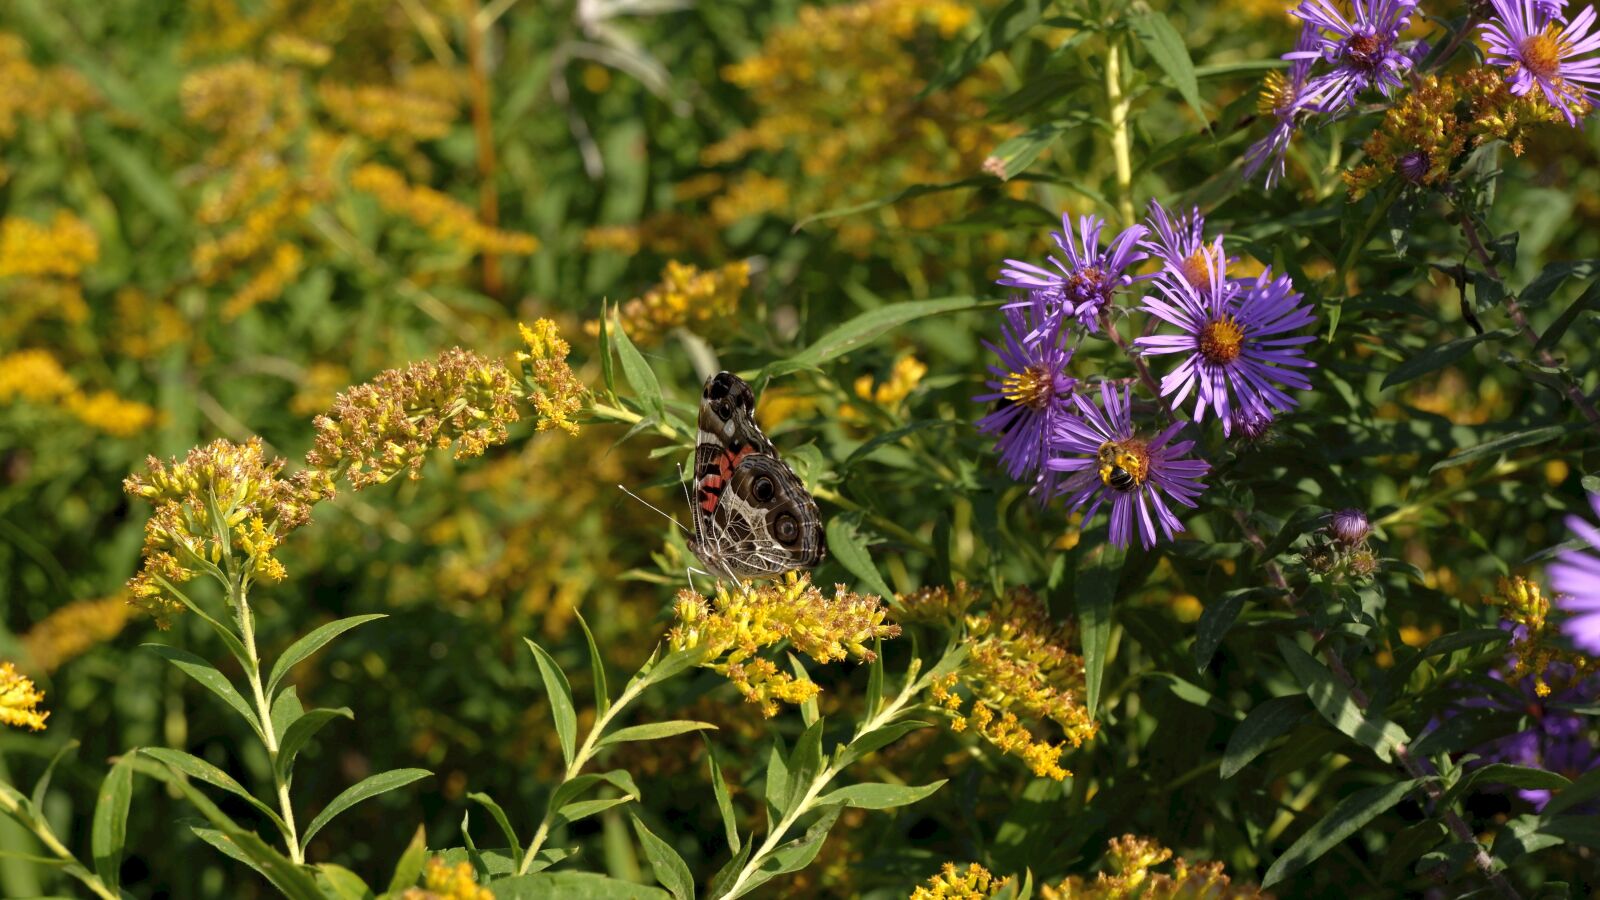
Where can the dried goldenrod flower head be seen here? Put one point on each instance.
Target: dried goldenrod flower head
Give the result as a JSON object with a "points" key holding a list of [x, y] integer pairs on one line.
{"points": [[1495, 112], [952, 883], [61, 249], [556, 393], [687, 297], [70, 631], [33, 92], [377, 430], [1018, 678], [19, 700], [221, 510], [441, 216], [36, 376], [731, 627], [1535, 640], [1418, 140], [936, 605], [442, 881], [1130, 859], [298, 51]]}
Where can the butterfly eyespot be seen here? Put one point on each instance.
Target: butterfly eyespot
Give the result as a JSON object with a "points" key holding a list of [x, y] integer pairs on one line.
{"points": [[787, 529], [764, 489]]}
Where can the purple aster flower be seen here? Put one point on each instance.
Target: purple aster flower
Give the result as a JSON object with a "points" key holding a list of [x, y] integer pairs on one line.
{"points": [[1555, 738], [1281, 96], [1575, 577], [1350, 527], [1234, 340], [1107, 460], [1536, 50], [1552, 9], [1083, 283], [1363, 52], [1179, 242], [1031, 385]]}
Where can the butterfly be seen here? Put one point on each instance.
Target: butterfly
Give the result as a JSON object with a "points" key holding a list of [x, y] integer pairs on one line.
{"points": [[752, 516]]}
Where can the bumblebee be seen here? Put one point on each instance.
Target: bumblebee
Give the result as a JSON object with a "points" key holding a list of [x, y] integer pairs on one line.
{"points": [[1119, 469]]}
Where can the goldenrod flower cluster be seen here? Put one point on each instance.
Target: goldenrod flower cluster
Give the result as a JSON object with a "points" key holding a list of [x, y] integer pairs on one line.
{"points": [[32, 92], [667, 233], [222, 509], [1423, 134], [252, 108], [443, 217], [146, 326], [1536, 641], [687, 297], [61, 249], [386, 113], [36, 376], [939, 606], [836, 92], [556, 393], [732, 627], [442, 881], [377, 430], [70, 631], [1018, 675], [19, 700], [1130, 859], [952, 883]]}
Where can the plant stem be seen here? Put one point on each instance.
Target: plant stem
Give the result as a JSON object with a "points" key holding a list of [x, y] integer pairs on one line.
{"points": [[803, 805], [269, 735], [1117, 105], [1520, 319], [1416, 768], [10, 806], [580, 759]]}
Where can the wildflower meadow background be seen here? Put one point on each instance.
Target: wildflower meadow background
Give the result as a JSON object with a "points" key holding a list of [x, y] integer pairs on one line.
{"points": [[1200, 400]]}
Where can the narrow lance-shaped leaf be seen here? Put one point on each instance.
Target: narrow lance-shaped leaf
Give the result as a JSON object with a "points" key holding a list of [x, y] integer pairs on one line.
{"points": [[1165, 45], [654, 730], [560, 693], [879, 796], [409, 867], [208, 676], [669, 868], [1345, 819], [640, 377], [195, 767], [1333, 700], [110, 831], [1097, 586], [850, 549], [719, 787], [364, 789], [500, 818], [597, 670], [313, 641]]}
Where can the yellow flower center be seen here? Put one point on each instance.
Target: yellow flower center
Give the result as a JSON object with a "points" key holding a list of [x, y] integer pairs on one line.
{"points": [[1124, 465], [1541, 53], [1032, 387], [1221, 340], [1275, 94], [1196, 267]]}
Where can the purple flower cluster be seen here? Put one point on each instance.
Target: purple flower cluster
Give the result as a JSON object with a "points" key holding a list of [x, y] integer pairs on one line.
{"points": [[1237, 355], [1557, 735], [1529, 39]]}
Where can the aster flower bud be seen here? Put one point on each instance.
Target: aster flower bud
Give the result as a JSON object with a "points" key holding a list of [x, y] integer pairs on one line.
{"points": [[1350, 527]]}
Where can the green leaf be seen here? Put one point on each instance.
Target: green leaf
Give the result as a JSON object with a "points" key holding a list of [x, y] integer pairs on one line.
{"points": [[871, 795], [795, 855], [42, 786], [862, 330], [195, 767], [409, 867], [1165, 45], [803, 765], [1016, 154], [1005, 26], [1215, 620], [1345, 819], [777, 782], [641, 378], [569, 790], [877, 739], [719, 786], [286, 710], [607, 367], [655, 730], [1580, 791], [501, 819], [110, 832], [1097, 587], [560, 691], [147, 182], [1581, 830], [295, 737], [875, 680], [210, 678], [810, 709], [1504, 773], [1260, 728], [229, 639], [1437, 356], [342, 884], [227, 847], [583, 809], [850, 549], [1333, 700], [669, 868], [1504, 443], [311, 643], [597, 670], [573, 886], [912, 192], [1589, 299], [365, 789]]}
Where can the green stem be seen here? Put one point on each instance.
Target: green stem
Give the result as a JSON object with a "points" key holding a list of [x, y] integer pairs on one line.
{"points": [[1117, 104], [813, 791], [41, 830]]}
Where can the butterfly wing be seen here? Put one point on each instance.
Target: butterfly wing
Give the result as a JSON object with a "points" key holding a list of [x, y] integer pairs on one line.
{"points": [[753, 518]]}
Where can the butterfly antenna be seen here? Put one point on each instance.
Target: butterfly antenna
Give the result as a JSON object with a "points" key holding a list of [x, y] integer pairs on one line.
{"points": [[687, 497], [647, 503]]}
